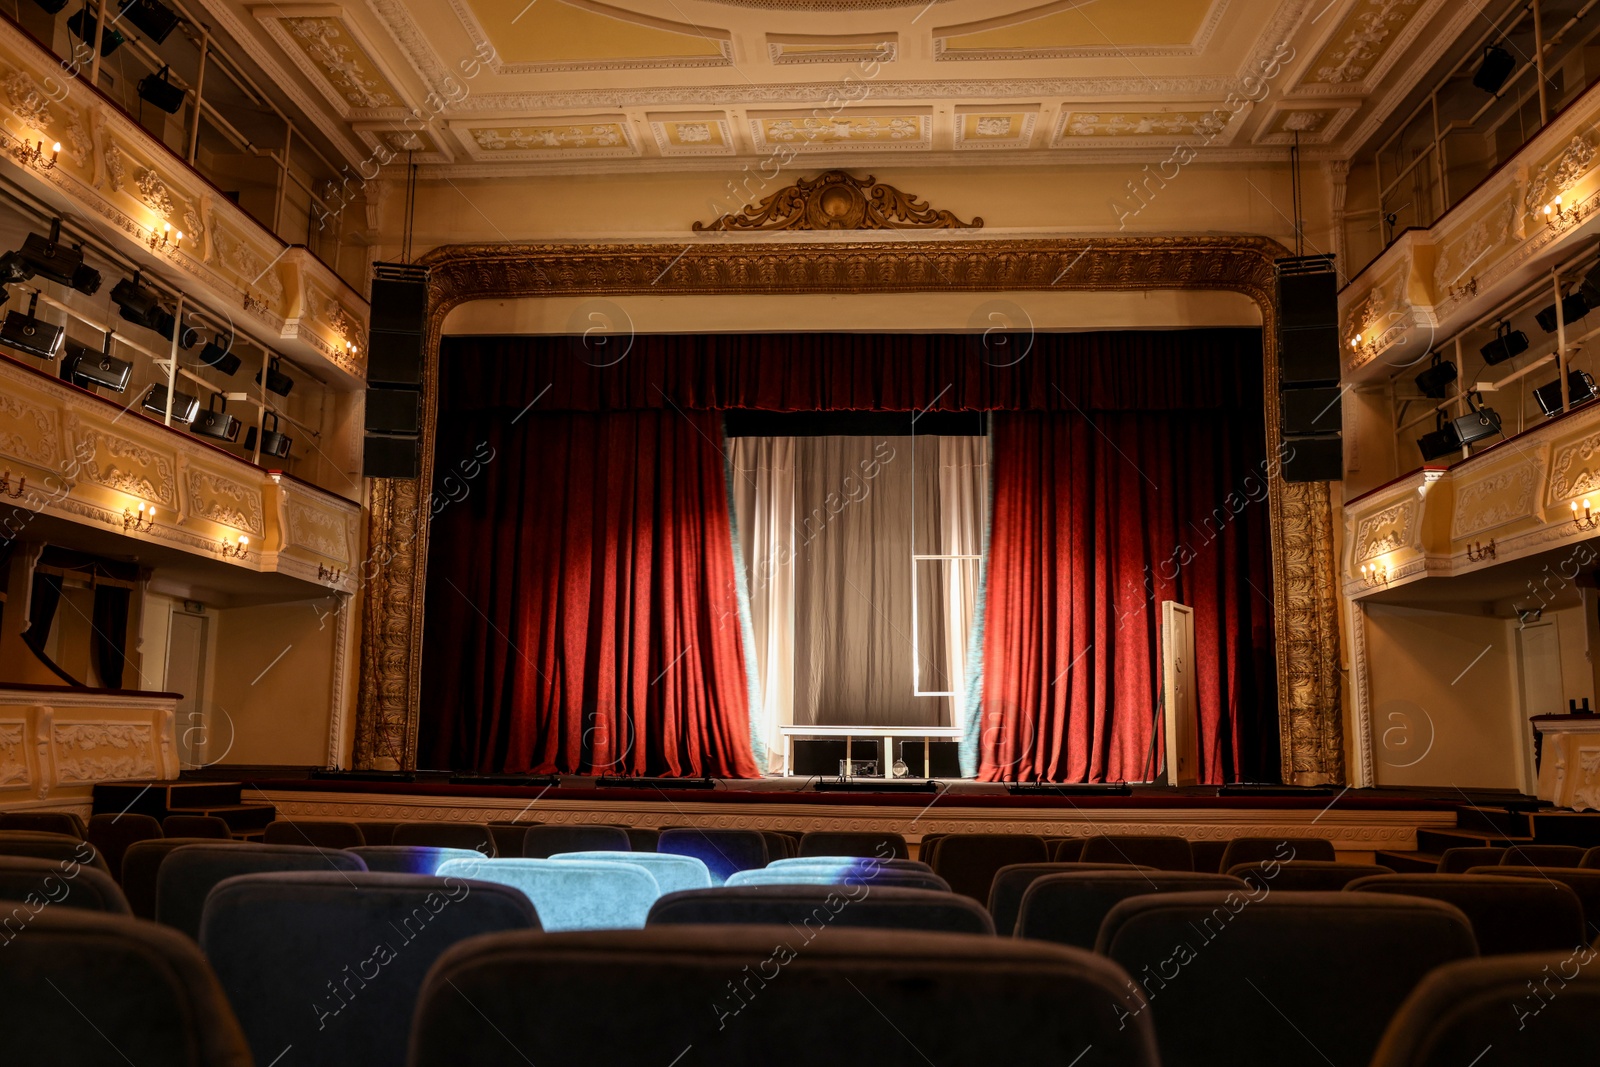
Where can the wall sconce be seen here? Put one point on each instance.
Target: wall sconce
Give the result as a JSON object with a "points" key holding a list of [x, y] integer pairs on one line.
{"points": [[141, 520], [326, 575], [5, 485], [165, 239], [1477, 552], [1375, 575], [31, 154], [1589, 520], [1561, 216], [234, 550]]}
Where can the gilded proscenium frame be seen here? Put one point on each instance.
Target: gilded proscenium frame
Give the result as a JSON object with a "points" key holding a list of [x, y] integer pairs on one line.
{"points": [[1304, 572]]}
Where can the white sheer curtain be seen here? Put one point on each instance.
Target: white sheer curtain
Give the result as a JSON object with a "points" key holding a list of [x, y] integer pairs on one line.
{"points": [[763, 502]]}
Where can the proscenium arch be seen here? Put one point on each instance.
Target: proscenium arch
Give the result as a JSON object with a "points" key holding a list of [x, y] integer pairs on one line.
{"points": [[1310, 720]]}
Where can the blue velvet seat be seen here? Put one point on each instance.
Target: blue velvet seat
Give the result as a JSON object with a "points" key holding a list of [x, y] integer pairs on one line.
{"points": [[570, 894], [811, 861], [190, 872], [542, 842], [722, 851], [36, 884], [329, 963], [671, 873], [1068, 906], [410, 859], [814, 907]]}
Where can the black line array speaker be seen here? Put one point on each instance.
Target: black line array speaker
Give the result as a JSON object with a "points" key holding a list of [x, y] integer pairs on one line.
{"points": [[1309, 398], [394, 370], [930, 759]]}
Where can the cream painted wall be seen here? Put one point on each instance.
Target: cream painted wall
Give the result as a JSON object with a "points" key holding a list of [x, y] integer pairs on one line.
{"points": [[273, 683]]}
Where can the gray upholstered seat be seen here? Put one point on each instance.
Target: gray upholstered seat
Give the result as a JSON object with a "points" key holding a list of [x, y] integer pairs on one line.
{"points": [[377, 831], [141, 866], [207, 826], [1066, 850], [1462, 860], [699, 995], [1161, 851], [1585, 883], [542, 842], [812, 907], [840, 872], [570, 894], [1208, 855], [1011, 883], [49, 822], [1306, 876], [507, 836], [81, 989], [41, 844], [1068, 907], [319, 833], [410, 859], [1541, 856], [1508, 915], [190, 872], [473, 835], [780, 845], [112, 834], [1228, 978], [1283, 849], [968, 862], [643, 838], [1504, 1011], [722, 851], [277, 941], [34, 884], [880, 844], [672, 873]]}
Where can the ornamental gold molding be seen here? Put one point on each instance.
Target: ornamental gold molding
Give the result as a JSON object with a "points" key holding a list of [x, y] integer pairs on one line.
{"points": [[1304, 571], [836, 200]]}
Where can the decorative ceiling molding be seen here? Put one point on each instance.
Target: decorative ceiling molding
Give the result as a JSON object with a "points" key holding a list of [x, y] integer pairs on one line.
{"points": [[944, 35], [483, 42], [858, 129], [335, 56], [692, 133], [1317, 122], [979, 127], [1360, 49], [835, 200], [787, 48], [577, 137]]}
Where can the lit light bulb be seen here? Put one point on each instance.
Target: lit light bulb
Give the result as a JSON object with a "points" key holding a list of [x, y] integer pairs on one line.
{"points": [[243, 541], [56, 148]]}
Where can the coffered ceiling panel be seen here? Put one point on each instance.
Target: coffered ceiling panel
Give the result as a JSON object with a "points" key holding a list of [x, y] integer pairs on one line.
{"points": [[331, 51], [564, 35], [1074, 28], [805, 131]]}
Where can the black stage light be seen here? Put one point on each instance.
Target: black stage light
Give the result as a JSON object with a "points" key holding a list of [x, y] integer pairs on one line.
{"points": [[218, 353], [1435, 381], [51, 7], [1439, 442], [151, 17], [1573, 308], [273, 443], [86, 368], [82, 26], [154, 89], [12, 270], [1479, 423], [47, 256], [184, 406], [1580, 390], [277, 381], [1507, 344], [27, 334], [1494, 69], [215, 422], [141, 305]]}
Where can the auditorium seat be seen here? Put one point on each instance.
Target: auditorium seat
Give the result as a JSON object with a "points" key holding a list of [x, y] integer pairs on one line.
{"points": [[927, 846], [569, 894], [969, 861], [36, 884], [377, 832], [207, 826], [81, 989], [1584, 883], [1208, 855], [884, 845], [672, 873], [141, 867], [190, 872], [1011, 884], [887, 997], [842, 872], [542, 842], [809, 861], [353, 947], [508, 837], [1068, 907], [1591, 859], [722, 851], [1143, 850], [49, 822], [112, 834], [1281, 978], [473, 835], [1541, 856], [319, 833], [41, 844], [1260, 849], [1506, 1010], [811, 908], [779, 846], [1462, 860], [410, 859], [1508, 915], [1305, 876], [643, 839], [1067, 850]]}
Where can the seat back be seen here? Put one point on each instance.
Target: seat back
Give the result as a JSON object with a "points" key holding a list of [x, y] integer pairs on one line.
{"points": [[473, 835], [190, 872], [49, 822], [1068, 907], [1010, 883], [508, 837], [779, 846], [1528, 1009], [969, 862], [882, 845], [1037, 1003], [1584, 883], [843, 872], [1462, 860], [43, 845], [927, 846], [1162, 852], [672, 873], [1067, 850], [1306, 876], [210, 827], [377, 832], [812, 908], [1541, 856], [318, 833], [570, 894], [410, 859], [542, 842], [1242, 956], [1508, 915], [141, 866], [812, 861], [1283, 849], [1208, 855], [31, 884], [722, 851], [1591, 859], [643, 839], [112, 834], [146, 993], [276, 940]]}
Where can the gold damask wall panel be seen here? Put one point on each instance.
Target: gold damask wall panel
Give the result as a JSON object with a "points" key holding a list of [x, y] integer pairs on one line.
{"points": [[1305, 572]]}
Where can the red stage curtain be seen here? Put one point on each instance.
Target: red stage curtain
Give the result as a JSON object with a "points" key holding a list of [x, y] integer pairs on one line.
{"points": [[1096, 520], [582, 613]]}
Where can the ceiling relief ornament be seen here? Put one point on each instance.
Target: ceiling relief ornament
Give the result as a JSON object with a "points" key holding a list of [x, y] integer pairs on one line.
{"points": [[1366, 35], [543, 137], [1503, 497], [1387, 531], [835, 200], [1144, 124], [339, 61]]}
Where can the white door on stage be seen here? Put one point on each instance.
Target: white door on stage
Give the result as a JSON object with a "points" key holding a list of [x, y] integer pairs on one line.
{"points": [[1182, 715]]}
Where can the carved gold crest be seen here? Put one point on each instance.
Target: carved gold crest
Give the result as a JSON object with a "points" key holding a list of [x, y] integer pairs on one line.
{"points": [[835, 200]]}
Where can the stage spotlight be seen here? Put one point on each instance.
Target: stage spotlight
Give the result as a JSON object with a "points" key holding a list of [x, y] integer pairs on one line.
{"points": [[1573, 308], [82, 26], [141, 305], [51, 7], [1494, 69], [12, 270], [218, 353], [151, 17], [1439, 442], [87, 368], [273, 442], [1507, 344], [154, 89], [184, 406], [47, 256], [277, 381], [1435, 381], [1580, 390], [1479, 423], [27, 334], [214, 422]]}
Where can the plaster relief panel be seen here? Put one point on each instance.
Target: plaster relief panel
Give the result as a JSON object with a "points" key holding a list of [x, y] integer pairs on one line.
{"points": [[28, 431], [128, 467], [317, 530], [14, 773], [1574, 470], [1386, 531], [103, 751], [224, 501], [1495, 500]]}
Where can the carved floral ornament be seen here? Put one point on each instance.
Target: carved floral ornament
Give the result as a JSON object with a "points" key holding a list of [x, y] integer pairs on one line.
{"points": [[835, 200]]}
